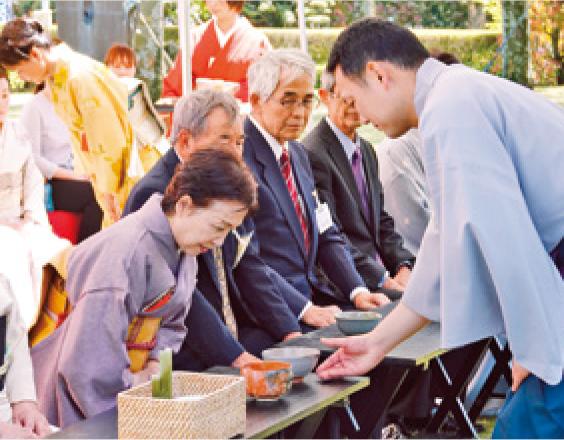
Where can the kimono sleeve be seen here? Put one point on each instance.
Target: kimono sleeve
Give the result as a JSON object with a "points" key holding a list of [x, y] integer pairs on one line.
{"points": [[19, 378], [482, 253], [94, 365], [107, 130]]}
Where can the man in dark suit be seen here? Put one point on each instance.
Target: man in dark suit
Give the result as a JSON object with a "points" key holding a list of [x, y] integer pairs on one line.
{"points": [[292, 230], [237, 309], [345, 168]]}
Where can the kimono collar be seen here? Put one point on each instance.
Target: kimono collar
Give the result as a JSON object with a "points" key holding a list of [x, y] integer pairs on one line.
{"points": [[424, 81], [154, 219], [223, 37], [62, 67]]}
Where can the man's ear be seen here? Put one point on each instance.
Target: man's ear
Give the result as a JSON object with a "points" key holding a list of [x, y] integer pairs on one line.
{"points": [[184, 143], [255, 101], [183, 205], [324, 96], [376, 72]]}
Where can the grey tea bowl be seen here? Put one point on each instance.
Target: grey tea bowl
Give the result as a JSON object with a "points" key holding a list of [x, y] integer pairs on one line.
{"points": [[356, 323], [302, 359]]}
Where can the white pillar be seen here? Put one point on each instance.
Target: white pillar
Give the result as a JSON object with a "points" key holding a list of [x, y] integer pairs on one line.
{"points": [[302, 25], [184, 37]]}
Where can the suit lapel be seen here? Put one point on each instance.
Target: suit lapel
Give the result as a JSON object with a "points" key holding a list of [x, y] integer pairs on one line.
{"points": [[337, 153], [374, 188], [273, 178]]}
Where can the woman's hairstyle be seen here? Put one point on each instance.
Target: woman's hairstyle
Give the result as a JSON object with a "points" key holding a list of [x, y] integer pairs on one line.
{"points": [[237, 6], [210, 174], [17, 39], [120, 52]]}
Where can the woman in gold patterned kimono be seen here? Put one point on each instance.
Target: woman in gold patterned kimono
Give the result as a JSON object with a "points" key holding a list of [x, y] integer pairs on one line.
{"points": [[88, 98]]}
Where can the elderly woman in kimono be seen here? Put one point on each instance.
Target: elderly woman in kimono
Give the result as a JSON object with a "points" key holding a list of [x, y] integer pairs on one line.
{"points": [[140, 268], [16, 373], [89, 99], [223, 48], [27, 240], [492, 258]]}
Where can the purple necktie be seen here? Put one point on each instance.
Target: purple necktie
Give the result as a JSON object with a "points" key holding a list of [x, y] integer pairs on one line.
{"points": [[361, 185], [359, 178]]}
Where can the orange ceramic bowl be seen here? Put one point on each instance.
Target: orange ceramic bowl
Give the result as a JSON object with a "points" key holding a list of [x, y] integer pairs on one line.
{"points": [[267, 380]]}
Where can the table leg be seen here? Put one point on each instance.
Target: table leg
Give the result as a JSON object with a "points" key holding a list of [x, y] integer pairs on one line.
{"points": [[451, 389], [390, 388], [501, 368], [310, 425]]}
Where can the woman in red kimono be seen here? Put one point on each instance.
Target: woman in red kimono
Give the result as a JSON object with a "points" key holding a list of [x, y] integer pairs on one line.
{"points": [[223, 48]]}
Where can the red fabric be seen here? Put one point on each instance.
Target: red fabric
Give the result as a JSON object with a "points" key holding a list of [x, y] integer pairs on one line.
{"points": [[286, 172], [209, 60], [65, 224]]}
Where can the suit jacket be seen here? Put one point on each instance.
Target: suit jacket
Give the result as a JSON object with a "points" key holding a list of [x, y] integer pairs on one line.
{"points": [[278, 228], [253, 287], [337, 187]]}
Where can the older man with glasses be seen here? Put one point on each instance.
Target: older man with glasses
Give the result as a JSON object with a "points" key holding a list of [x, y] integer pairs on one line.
{"points": [[294, 231], [345, 169]]}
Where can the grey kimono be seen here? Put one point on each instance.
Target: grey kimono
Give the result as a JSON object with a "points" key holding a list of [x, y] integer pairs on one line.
{"points": [[80, 368], [493, 154]]}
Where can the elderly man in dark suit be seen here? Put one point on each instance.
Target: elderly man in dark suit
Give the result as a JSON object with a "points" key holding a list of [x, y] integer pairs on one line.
{"points": [[293, 232], [345, 169], [237, 308]]}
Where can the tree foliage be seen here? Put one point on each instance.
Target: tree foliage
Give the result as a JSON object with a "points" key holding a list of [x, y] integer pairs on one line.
{"points": [[547, 42]]}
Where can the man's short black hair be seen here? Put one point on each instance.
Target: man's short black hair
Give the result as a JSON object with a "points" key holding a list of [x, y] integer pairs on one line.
{"points": [[373, 39]]}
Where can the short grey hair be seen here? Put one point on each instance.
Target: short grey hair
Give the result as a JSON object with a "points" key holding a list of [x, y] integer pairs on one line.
{"points": [[327, 81], [265, 73], [191, 111]]}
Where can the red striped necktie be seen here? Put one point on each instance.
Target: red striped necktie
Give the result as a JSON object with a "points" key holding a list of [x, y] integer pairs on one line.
{"points": [[287, 173]]}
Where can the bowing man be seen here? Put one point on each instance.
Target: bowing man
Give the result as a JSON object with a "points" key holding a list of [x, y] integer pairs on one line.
{"points": [[492, 258]]}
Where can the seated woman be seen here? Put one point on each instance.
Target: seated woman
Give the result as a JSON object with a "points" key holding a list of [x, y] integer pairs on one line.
{"points": [[27, 240], [89, 99], [140, 269], [223, 48], [52, 151]]}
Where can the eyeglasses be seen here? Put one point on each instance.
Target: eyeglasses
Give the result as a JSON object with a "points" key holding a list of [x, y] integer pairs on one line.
{"points": [[347, 100], [291, 104]]}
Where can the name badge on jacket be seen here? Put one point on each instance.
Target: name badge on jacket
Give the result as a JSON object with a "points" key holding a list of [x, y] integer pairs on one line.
{"points": [[322, 215]]}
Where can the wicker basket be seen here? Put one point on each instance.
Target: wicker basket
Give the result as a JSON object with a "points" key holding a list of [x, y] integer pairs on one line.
{"points": [[216, 408]]}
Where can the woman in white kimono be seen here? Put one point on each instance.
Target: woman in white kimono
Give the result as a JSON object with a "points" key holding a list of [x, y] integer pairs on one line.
{"points": [[27, 240], [16, 373], [143, 266]]}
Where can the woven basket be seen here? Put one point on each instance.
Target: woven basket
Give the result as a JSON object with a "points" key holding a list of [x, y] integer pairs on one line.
{"points": [[217, 409]]}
